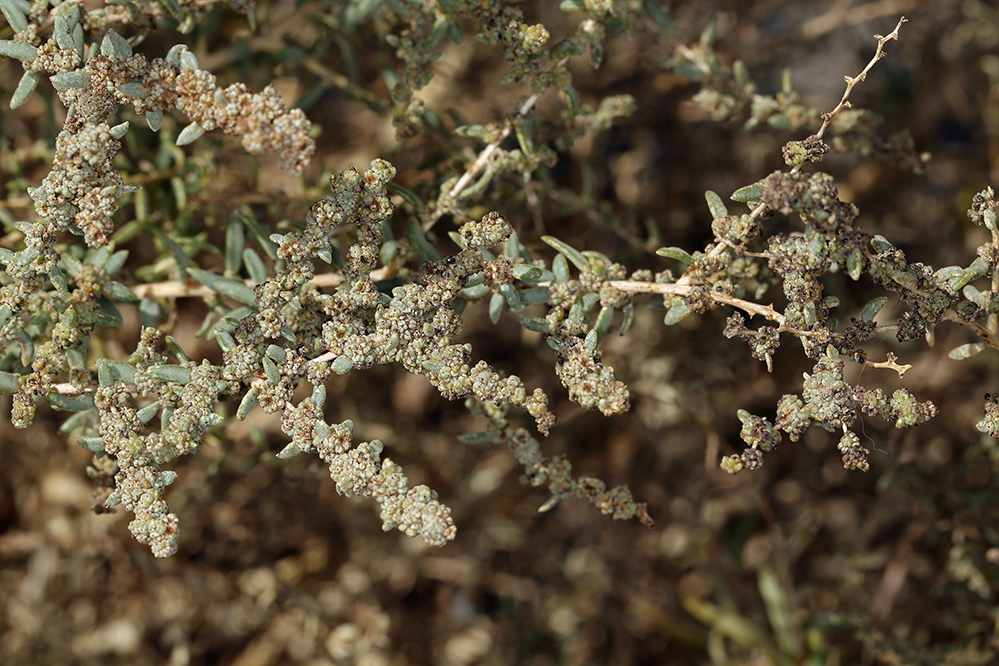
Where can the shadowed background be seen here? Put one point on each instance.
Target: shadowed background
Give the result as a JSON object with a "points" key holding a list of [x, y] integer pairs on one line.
{"points": [[801, 561]]}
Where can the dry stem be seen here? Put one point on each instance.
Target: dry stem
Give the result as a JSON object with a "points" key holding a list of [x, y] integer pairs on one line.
{"points": [[480, 162]]}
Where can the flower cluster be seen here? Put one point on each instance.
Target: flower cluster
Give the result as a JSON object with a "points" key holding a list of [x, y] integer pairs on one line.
{"points": [[285, 321], [286, 331]]}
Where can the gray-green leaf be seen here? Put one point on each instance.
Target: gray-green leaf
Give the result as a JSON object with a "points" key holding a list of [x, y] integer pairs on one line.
{"points": [[715, 205], [119, 130], [677, 312], [19, 50], [9, 382], [967, 351], [146, 414], [571, 253], [76, 79], [254, 265], [189, 134], [419, 241], [289, 451], [115, 45], [496, 307], [120, 292], [271, 370], [512, 296], [527, 273], [747, 194], [154, 119], [93, 444], [14, 15], [236, 289], [536, 324], [81, 403], [248, 402], [675, 253], [110, 372], [176, 374], [25, 87], [871, 309], [560, 268]]}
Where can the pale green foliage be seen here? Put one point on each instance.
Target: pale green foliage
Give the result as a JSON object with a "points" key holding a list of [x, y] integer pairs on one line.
{"points": [[280, 330], [276, 327]]}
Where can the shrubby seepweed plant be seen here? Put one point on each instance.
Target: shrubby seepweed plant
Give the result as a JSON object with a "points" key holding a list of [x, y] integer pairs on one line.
{"points": [[339, 292]]}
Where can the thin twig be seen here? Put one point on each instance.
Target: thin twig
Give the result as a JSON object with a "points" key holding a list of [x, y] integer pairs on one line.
{"points": [[751, 308], [851, 81], [890, 364], [844, 103], [480, 162], [178, 289], [678, 289]]}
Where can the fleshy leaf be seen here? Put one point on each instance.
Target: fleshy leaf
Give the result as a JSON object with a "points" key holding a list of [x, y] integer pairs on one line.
{"points": [[715, 205], [176, 374], [76, 79], [19, 50], [675, 253], [747, 194], [571, 253], [871, 309]]}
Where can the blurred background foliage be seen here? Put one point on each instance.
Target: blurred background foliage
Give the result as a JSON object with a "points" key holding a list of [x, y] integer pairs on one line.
{"points": [[800, 562]]}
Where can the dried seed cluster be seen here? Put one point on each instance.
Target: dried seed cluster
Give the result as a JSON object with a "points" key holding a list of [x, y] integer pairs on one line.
{"points": [[285, 330]]}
